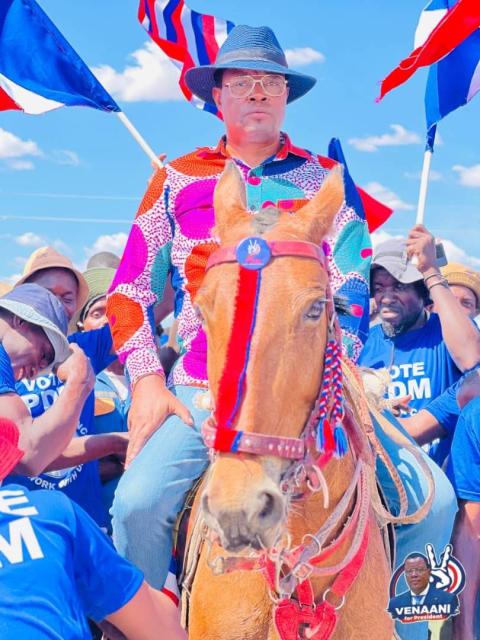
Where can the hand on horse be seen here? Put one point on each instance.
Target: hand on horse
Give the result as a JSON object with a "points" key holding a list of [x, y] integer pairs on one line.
{"points": [[421, 244], [152, 403]]}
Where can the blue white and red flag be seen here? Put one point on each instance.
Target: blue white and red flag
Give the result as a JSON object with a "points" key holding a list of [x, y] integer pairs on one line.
{"points": [[455, 79], [443, 26], [187, 37], [39, 70]]}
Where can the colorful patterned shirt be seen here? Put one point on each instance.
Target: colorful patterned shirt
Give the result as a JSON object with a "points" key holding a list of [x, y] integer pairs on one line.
{"points": [[172, 230]]}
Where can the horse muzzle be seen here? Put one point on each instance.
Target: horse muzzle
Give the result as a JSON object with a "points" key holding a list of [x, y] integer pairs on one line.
{"points": [[256, 525]]}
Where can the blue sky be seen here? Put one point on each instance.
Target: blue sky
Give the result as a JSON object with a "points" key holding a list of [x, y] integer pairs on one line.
{"points": [[78, 163]]}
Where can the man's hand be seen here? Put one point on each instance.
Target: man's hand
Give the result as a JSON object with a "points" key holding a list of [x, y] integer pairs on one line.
{"points": [[421, 244], [77, 369], [152, 403]]}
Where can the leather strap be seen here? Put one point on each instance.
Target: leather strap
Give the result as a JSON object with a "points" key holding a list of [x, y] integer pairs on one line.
{"points": [[296, 248]]}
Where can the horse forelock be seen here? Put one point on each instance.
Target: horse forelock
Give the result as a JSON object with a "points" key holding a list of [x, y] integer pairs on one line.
{"points": [[265, 219]]}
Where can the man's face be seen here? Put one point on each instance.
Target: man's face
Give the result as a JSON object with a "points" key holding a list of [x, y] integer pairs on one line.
{"points": [[62, 283], [96, 316], [466, 298], [28, 347], [417, 574], [398, 304], [257, 117]]}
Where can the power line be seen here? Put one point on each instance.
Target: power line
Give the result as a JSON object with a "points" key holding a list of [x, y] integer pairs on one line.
{"points": [[68, 219]]}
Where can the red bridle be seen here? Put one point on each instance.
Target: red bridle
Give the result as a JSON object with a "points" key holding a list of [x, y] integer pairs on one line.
{"points": [[253, 255]]}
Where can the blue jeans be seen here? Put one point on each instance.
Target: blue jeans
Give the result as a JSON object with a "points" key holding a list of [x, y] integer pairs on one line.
{"points": [[153, 489], [435, 528]]}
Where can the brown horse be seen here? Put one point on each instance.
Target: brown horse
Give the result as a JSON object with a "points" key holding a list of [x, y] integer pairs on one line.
{"points": [[246, 501]]}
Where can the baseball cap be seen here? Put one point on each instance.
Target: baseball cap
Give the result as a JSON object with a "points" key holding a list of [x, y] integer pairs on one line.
{"points": [[392, 256], [10, 454], [37, 305], [50, 258], [456, 273]]}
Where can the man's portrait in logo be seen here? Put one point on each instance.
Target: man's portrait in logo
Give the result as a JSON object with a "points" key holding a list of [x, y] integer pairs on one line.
{"points": [[433, 587]]}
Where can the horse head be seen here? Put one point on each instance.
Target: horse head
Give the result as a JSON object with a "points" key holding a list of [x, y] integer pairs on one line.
{"points": [[271, 327]]}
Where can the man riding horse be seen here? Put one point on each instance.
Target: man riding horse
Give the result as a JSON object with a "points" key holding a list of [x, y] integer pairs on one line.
{"points": [[251, 84]]}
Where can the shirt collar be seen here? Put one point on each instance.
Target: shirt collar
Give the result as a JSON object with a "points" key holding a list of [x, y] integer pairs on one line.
{"points": [[286, 148], [422, 594]]}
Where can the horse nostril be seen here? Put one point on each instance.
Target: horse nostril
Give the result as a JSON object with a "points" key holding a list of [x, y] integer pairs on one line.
{"points": [[269, 504]]}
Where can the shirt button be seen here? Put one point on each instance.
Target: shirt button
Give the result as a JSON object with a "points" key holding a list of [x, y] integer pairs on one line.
{"points": [[254, 181]]}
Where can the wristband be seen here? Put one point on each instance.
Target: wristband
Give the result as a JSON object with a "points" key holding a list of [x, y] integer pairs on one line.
{"points": [[435, 275], [443, 283]]}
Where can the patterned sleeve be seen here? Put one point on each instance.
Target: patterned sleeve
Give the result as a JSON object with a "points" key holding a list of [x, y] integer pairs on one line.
{"points": [[140, 281]]}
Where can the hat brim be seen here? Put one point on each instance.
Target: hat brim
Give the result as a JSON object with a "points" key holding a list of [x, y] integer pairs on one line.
{"points": [[200, 80], [29, 314], [404, 272], [82, 284]]}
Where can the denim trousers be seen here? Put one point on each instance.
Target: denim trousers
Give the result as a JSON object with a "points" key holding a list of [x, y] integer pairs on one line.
{"points": [[435, 528], [152, 491]]}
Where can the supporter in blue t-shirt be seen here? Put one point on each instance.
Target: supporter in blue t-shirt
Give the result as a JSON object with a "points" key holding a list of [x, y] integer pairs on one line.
{"points": [[78, 476], [80, 482], [33, 324], [463, 470], [424, 353], [57, 568]]}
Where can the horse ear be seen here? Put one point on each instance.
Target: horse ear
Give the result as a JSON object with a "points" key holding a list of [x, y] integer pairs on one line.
{"points": [[229, 200], [319, 213]]}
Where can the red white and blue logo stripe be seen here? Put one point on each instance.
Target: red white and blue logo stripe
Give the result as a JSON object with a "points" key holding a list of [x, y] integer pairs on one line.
{"points": [[188, 38]]}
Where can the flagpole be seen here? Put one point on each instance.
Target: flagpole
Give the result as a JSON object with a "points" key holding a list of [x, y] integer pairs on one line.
{"points": [[139, 138], [422, 196]]}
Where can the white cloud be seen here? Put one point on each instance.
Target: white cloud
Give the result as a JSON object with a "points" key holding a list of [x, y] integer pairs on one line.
{"points": [[29, 239], [302, 56], [13, 150], [400, 136], [388, 197], [455, 253], [151, 77], [434, 176], [20, 165], [66, 157], [468, 176], [114, 242]]}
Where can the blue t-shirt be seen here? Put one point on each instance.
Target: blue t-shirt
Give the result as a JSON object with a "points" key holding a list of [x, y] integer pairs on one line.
{"points": [[463, 469], [7, 379], [418, 362], [56, 568], [82, 482]]}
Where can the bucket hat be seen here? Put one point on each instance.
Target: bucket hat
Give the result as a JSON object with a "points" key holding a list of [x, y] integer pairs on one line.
{"points": [[38, 306], [10, 454], [252, 48], [459, 274], [49, 258], [99, 280]]}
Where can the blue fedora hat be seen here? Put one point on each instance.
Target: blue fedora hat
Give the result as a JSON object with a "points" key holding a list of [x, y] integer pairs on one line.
{"points": [[253, 48]]}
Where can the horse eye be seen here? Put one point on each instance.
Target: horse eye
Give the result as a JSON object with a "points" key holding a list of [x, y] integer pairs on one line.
{"points": [[316, 309]]}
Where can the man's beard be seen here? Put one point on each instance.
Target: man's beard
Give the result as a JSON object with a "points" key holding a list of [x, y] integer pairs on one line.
{"points": [[391, 331]]}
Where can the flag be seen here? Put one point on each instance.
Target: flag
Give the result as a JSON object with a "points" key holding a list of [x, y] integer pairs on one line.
{"points": [[188, 38], [452, 82], [374, 212], [443, 26], [39, 70]]}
